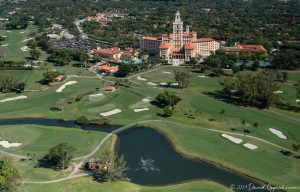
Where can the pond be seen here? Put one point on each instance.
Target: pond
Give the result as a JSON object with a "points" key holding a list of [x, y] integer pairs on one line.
{"points": [[151, 157], [153, 161]]}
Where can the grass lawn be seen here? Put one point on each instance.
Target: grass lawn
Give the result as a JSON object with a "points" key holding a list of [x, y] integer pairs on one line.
{"points": [[40, 173], [266, 162], [39, 139], [15, 40], [86, 185], [29, 77]]}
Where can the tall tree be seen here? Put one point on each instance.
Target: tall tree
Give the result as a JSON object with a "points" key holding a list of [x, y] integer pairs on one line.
{"points": [[9, 176], [182, 77], [115, 171], [60, 155], [35, 54]]}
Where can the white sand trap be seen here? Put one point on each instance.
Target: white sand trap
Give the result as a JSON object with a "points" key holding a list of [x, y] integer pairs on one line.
{"points": [[250, 146], [203, 76], [141, 78], [164, 84], [96, 95], [61, 88], [141, 109], [298, 100], [8, 31], [13, 98], [174, 84], [151, 83], [5, 45], [22, 32], [278, 133], [25, 48], [167, 72], [28, 39], [146, 100], [109, 113], [4, 36], [233, 139], [278, 92], [7, 144]]}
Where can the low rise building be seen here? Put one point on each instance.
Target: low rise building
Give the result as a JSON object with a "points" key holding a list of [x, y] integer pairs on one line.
{"points": [[242, 48]]}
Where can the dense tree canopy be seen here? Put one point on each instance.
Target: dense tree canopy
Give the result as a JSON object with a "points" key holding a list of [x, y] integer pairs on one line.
{"points": [[60, 155], [9, 176], [252, 88]]}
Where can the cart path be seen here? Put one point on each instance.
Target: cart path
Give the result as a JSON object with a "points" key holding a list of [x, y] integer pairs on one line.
{"points": [[84, 158]]}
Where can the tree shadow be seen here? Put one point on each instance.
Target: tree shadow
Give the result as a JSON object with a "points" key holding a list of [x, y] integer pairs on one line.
{"points": [[289, 107], [231, 100]]}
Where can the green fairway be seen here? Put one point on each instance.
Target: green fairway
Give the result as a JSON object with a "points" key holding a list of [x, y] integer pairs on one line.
{"points": [[265, 163], [38, 139], [87, 185], [30, 77], [14, 41]]}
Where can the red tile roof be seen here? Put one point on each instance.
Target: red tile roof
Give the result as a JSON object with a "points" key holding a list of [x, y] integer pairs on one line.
{"points": [[108, 51], [204, 40], [165, 46], [246, 48], [252, 48], [151, 38], [187, 35], [190, 46], [108, 68]]}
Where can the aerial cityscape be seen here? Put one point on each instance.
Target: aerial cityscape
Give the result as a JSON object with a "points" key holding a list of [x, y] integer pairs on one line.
{"points": [[150, 95]]}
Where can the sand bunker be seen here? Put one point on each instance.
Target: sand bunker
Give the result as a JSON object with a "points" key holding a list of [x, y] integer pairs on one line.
{"points": [[233, 139], [140, 78], [174, 84], [25, 48], [163, 84], [250, 146], [61, 88], [140, 110], [203, 76], [278, 92], [278, 133], [7, 144], [151, 83], [112, 112], [5, 45], [298, 100], [22, 32], [28, 39], [167, 72], [146, 100], [96, 95], [13, 98]]}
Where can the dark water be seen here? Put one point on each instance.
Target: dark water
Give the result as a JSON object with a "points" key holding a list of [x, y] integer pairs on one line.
{"points": [[153, 161], [151, 158], [57, 123]]}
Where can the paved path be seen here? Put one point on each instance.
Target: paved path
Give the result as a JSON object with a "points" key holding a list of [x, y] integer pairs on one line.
{"points": [[56, 180], [84, 158], [277, 113]]}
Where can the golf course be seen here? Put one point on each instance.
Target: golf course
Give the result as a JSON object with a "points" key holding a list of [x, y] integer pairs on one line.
{"points": [[198, 129]]}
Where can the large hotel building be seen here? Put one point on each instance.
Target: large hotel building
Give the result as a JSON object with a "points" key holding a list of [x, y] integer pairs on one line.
{"points": [[179, 46]]}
